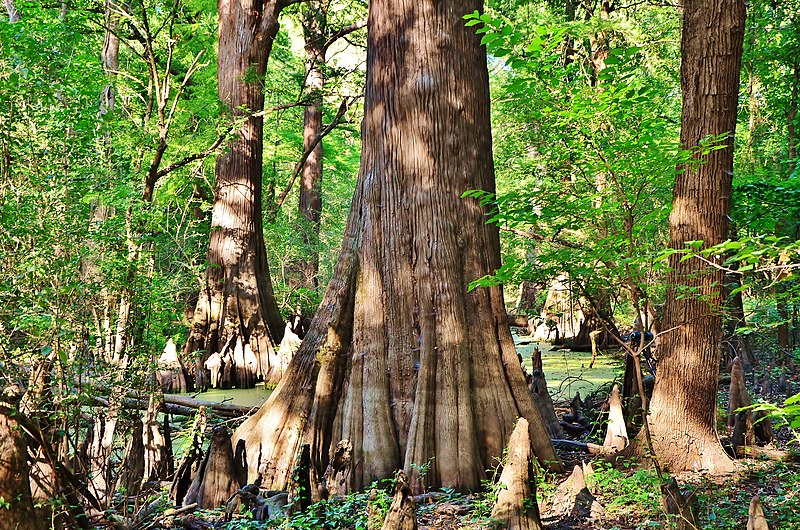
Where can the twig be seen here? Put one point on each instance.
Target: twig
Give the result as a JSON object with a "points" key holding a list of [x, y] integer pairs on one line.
{"points": [[343, 32], [346, 103], [195, 156]]}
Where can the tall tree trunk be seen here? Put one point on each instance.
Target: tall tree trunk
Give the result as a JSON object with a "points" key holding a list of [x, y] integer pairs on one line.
{"points": [[738, 343], [238, 305], [110, 341], [404, 363], [783, 329], [791, 117], [310, 200], [684, 406]]}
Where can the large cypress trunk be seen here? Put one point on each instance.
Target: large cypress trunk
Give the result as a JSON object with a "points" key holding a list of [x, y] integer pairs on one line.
{"points": [[684, 406], [401, 360], [237, 304]]}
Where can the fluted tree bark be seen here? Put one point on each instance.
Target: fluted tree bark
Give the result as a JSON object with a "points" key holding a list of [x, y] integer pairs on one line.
{"points": [[684, 407], [402, 361], [237, 315]]}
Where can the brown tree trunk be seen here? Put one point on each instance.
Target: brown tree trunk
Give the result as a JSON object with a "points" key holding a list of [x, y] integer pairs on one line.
{"points": [[516, 507], [791, 117], [739, 343], [216, 481], [684, 406], [15, 487], [401, 360], [310, 197], [782, 228], [238, 300]]}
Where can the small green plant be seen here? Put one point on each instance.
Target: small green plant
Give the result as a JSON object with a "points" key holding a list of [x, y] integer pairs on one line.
{"points": [[423, 470], [788, 414], [352, 511], [620, 489]]}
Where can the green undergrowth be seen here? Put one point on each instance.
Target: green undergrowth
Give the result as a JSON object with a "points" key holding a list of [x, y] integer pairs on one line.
{"points": [[620, 489], [629, 495], [358, 511], [725, 506]]}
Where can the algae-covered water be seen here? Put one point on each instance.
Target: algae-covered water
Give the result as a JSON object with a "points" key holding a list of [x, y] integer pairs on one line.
{"points": [[566, 372], [248, 397]]}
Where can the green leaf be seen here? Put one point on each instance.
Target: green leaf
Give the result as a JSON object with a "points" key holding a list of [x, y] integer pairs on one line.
{"points": [[792, 399], [489, 38]]}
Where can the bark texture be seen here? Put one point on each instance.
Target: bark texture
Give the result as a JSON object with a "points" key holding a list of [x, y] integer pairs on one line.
{"points": [[17, 509], [683, 411], [516, 506], [401, 514], [216, 480], [237, 305], [15, 488], [404, 363]]}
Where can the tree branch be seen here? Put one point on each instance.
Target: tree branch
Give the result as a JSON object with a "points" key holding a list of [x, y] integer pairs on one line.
{"points": [[343, 32], [196, 156], [346, 103], [539, 237]]}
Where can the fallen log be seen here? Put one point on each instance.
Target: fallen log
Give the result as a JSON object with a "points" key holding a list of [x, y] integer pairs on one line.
{"points": [[183, 406], [222, 408], [139, 404], [572, 445], [754, 451]]}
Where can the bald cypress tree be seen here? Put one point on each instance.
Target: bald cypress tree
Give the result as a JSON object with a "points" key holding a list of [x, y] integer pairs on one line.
{"points": [[403, 366]]}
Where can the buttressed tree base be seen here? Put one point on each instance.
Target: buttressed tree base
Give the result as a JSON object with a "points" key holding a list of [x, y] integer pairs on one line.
{"points": [[401, 360]]}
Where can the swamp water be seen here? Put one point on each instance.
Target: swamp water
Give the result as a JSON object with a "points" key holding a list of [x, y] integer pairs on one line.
{"points": [[566, 372]]}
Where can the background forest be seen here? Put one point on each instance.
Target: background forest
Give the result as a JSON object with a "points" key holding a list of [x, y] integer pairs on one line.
{"points": [[111, 127]]}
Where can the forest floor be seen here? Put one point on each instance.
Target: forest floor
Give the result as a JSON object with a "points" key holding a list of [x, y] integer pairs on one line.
{"points": [[628, 492], [629, 497], [631, 500]]}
